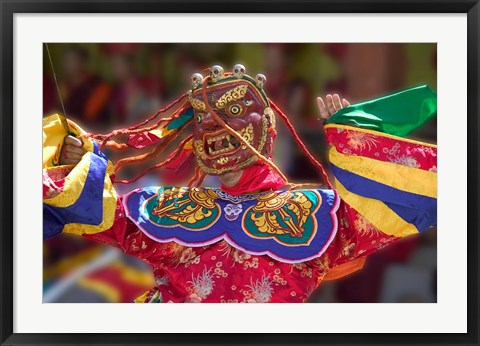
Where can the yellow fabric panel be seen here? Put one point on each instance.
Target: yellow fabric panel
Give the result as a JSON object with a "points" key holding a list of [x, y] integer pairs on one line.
{"points": [[376, 133], [53, 135], [66, 264], [376, 212], [142, 298], [420, 182], [135, 276], [73, 186], [109, 208], [188, 145], [110, 292], [160, 133]]}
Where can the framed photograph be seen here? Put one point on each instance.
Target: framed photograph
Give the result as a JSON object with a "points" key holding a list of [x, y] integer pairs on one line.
{"points": [[282, 154]]}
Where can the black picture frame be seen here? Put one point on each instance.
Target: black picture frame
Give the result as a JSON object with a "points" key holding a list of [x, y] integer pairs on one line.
{"points": [[11, 7]]}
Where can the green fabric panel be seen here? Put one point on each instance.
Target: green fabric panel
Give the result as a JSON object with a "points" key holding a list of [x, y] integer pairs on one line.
{"points": [[397, 114], [181, 120]]}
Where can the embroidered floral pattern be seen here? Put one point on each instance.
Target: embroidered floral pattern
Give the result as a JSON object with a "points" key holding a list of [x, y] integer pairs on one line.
{"points": [[405, 160], [364, 227], [259, 291], [360, 140], [251, 264], [221, 273], [390, 149], [202, 284], [54, 181], [162, 280], [188, 257]]}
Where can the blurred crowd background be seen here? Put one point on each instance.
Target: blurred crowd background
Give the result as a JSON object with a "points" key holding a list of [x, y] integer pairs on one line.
{"points": [[111, 85]]}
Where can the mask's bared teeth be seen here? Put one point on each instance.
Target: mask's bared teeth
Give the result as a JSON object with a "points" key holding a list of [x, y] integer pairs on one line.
{"points": [[235, 142], [221, 144], [225, 143]]}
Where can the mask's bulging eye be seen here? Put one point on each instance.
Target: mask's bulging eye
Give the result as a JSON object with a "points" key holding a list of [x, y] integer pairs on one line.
{"points": [[199, 117], [235, 110]]}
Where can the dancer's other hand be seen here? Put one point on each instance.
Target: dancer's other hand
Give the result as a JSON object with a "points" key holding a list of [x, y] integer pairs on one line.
{"points": [[331, 105]]}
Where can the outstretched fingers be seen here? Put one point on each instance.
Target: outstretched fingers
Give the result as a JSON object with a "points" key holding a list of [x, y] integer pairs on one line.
{"points": [[331, 105], [324, 113], [337, 104]]}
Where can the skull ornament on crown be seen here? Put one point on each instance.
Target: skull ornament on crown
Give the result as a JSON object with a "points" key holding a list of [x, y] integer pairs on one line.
{"points": [[241, 103]]}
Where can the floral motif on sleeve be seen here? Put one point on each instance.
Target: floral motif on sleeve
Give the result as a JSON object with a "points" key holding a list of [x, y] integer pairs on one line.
{"points": [[237, 256], [383, 147], [361, 140], [305, 271], [184, 255], [356, 237], [259, 291], [365, 228], [201, 286]]}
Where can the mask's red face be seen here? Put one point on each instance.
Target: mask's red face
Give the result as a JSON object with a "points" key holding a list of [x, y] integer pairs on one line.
{"points": [[242, 107]]}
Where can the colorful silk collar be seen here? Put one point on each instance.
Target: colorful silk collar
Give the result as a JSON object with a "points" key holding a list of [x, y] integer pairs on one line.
{"points": [[289, 226]]}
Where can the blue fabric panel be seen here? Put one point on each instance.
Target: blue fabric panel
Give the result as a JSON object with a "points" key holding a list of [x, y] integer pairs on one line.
{"points": [[88, 209], [416, 209]]}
